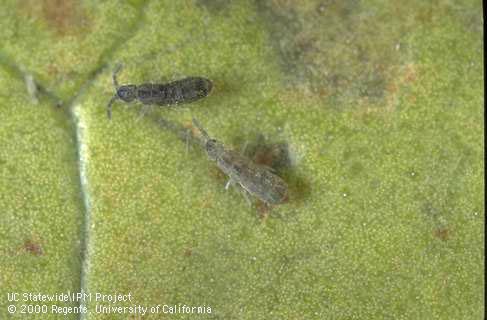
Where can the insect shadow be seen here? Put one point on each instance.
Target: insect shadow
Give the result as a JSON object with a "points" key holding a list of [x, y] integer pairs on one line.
{"points": [[173, 93]]}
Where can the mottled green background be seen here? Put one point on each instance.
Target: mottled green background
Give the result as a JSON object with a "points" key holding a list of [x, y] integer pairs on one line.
{"points": [[372, 111]]}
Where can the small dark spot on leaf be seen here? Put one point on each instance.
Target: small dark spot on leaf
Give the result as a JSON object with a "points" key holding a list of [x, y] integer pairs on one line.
{"points": [[263, 210], [218, 175], [52, 69], [188, 252], [442, 233], [425, 16], [33, 248], [62, 15]]}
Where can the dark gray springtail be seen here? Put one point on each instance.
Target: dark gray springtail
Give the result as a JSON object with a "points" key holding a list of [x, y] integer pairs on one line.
{"points": [[181, 91], [254, 179]]}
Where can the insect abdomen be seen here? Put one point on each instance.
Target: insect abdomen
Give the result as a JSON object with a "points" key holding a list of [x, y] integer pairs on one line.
{"points": [[266, 186], [181, 91], [186, 90], [258, 181]]}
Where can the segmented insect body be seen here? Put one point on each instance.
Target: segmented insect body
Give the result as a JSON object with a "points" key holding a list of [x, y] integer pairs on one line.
{"points": [[181, 91], [257, 180]]}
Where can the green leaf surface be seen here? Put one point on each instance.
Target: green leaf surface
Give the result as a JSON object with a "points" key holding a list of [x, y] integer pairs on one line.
{"points": [[371, 112]]}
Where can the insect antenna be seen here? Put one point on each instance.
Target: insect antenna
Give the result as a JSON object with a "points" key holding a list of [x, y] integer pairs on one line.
{"points": [[118, 68]]}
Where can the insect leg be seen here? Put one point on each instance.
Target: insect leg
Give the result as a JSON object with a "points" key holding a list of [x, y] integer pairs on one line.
{"points": [[241, 189], [229, 183], [109, 106]]}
